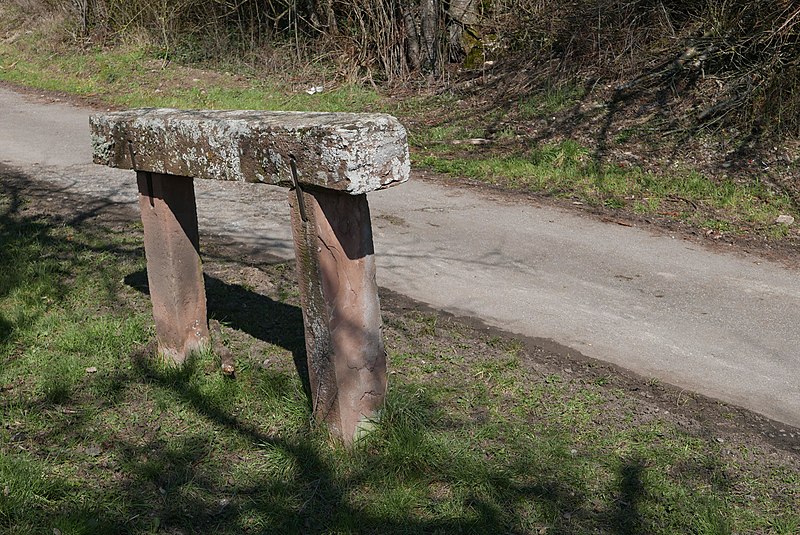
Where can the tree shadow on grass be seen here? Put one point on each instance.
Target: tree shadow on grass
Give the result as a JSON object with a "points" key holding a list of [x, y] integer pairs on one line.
{"points": [[631, 493], [259, 316], [401, 462], [178, 481], [40, 254], [316, 497], [5, 329]]}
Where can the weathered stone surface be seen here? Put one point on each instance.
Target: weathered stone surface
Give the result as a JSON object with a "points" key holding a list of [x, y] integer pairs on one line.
{"points": [[341, 310], [351, 152], [174, 271]]}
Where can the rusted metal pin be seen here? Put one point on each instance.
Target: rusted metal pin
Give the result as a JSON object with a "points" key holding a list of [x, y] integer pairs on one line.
{"points": [[296, 185]]}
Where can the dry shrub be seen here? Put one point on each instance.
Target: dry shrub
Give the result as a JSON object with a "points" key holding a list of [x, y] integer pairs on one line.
{"points": [[741, 59], [368, 39]]}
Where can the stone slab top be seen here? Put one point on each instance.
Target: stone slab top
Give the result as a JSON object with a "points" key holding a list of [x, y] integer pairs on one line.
{"points": [[352, 152]]}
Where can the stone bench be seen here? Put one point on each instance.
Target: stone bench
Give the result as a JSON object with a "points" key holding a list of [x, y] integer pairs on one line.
{"points": [[329, 161]]}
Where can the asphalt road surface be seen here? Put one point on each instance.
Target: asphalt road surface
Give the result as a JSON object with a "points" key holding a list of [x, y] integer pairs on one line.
{"points": [[724, 325]]}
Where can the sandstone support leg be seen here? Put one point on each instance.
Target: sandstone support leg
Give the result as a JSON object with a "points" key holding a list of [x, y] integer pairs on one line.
{"points": [[341, 311], [174, 271]]}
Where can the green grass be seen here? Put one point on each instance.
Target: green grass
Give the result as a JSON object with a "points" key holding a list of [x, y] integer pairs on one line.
{"points": [[471, 439], [549, 101], [425, 137], [133, 76], [568, 170]]}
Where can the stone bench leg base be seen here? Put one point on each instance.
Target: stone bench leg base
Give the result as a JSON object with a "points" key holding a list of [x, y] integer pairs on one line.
{"points": [[341, 311], [174, 270]]}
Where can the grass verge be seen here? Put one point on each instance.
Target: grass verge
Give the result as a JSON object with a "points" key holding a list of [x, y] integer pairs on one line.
{"points": [[567, 170], [481, 434]]}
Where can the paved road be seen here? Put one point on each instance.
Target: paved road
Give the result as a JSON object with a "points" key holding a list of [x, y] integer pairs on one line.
{"points": [[724, 325]]}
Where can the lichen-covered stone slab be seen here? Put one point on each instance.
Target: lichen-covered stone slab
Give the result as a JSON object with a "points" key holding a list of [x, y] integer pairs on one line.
{"points": [[352, 152]]}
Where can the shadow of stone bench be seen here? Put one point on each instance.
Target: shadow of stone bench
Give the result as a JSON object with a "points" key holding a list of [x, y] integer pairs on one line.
{"points": [[329, 161]]}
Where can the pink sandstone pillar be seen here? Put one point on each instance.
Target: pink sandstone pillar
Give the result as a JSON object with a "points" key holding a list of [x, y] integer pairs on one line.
{"points": [[341, 310], [174, 271]]}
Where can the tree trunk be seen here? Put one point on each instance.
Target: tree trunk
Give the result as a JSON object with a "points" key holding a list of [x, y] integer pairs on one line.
{"points": [[412, 37], [323, 12], [429, 14]]}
